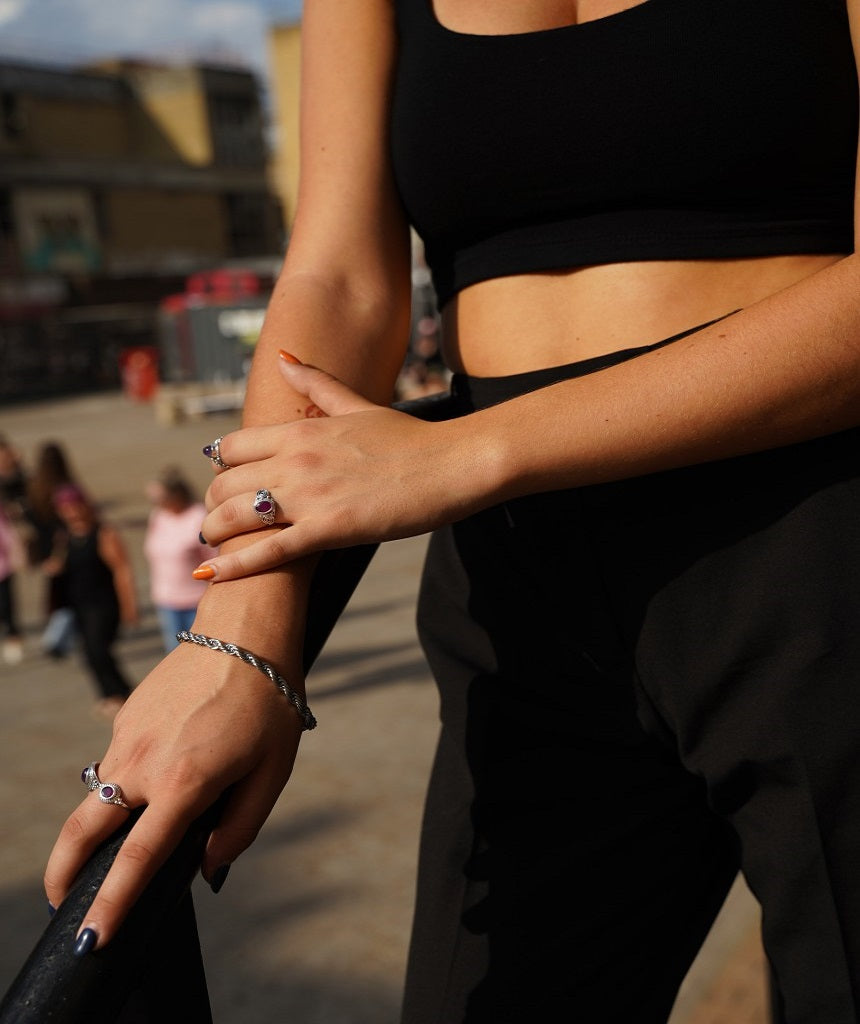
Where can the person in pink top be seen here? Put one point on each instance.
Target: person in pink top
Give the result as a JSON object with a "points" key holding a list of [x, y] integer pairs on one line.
{"points": [[173, 548]]}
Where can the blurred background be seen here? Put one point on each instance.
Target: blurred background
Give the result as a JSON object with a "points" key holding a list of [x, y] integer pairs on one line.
{"points": [[148, 175]]}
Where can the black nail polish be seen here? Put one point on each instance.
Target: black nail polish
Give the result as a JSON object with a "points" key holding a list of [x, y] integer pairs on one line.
{"points": [[51, 909], [86, 940], [202, 538], [219, 878]]}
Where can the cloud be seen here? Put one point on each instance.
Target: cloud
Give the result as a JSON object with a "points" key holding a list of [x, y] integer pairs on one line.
{"points": [[10, 9], [168, 29]]}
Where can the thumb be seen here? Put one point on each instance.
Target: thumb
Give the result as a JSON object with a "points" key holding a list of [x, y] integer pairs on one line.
{"points": [[329, 396]]}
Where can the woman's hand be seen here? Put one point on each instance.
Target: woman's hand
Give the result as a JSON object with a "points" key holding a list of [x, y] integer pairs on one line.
{"points": [[350, 472], [200, 723]]}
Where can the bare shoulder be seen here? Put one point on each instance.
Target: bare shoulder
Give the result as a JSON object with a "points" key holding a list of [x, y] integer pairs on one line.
{"points": [[111, 545]]}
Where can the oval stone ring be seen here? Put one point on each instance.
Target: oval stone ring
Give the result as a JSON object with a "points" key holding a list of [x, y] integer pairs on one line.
{"points": [[264, 506], [110, 793]]}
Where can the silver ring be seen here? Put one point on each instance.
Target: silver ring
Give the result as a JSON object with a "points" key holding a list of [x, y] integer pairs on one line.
{"points": [[214, 452], [110, 793], [264, 506], [90, 776]]}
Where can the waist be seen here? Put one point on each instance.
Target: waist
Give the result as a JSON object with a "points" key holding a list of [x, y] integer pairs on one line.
{"points": [[514, 324], [472, 392]]}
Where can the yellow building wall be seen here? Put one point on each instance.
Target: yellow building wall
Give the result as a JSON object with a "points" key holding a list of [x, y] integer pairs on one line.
{"points": [[175, 100], [284, 73], [68, 128], [145, 221]]}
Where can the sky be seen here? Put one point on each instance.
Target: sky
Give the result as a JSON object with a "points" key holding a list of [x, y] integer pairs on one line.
{"points": [[74, 31]]}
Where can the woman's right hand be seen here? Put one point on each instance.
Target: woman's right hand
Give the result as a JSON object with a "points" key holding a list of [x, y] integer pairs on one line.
{"points": [[199, 724]]}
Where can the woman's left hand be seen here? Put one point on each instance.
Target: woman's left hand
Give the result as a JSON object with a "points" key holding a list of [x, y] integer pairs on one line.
{"points": [[350, 472]]}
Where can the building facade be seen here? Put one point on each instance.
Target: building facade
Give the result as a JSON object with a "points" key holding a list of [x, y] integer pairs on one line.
{"points": [[117, 183]]}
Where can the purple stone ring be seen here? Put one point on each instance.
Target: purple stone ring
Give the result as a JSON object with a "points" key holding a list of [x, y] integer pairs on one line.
{"points": [[90, 776], [213, 452], [264, 506], [110, 793]]}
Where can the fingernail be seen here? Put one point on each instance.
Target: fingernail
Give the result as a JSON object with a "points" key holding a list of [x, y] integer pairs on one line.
{"points": [[219, 878], [288, 357], [208, 450], [51, 909], [201, 538], [85, 942], [204, 572]]}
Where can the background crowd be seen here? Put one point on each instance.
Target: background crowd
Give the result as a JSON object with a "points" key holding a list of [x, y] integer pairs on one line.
{"points": [[51, 525]]}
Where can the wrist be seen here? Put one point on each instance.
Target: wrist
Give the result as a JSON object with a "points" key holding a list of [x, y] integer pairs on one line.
{"points": [[264, 613]]}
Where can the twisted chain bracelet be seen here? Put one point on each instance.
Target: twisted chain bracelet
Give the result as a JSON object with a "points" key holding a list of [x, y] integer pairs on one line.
{"points": [[184, 636]]}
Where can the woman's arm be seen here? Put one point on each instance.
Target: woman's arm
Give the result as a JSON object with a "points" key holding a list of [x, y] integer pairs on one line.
{"points": [[784, 369], [115, 555], [202, 723]]}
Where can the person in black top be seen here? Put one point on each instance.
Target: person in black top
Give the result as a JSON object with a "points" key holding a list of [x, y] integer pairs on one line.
{"points": [[99, 589], [640, 597]]}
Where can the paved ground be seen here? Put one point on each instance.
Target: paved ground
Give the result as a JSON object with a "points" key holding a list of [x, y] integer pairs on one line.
{"points": [[311, 926]]}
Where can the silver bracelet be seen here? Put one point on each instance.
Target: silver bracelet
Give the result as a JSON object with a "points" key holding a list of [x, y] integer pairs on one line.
{"points": [[184, 636]]}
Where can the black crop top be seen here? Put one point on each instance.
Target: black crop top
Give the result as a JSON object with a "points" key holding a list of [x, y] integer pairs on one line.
{"points": [[677, 129]]}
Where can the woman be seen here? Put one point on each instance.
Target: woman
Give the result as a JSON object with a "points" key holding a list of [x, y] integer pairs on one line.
{"points": [[100, 590], [173, 550], [52, 470], [640, 594]]}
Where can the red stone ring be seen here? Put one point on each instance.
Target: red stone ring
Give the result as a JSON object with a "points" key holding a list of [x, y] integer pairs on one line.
{"points": [[264, 506], [110, 793]]}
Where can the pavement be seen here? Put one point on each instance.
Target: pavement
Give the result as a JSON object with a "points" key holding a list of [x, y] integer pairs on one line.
{"points": [[312, 924]]}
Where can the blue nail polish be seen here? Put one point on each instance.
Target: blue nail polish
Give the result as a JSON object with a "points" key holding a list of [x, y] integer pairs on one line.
{"points": [[219, 878], [208, 451], [51, 909], [86, 940], [201, 538]]}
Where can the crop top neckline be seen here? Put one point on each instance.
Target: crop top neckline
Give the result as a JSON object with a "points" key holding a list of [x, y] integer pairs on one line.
{"points": [[671, 130], [607, 21]]}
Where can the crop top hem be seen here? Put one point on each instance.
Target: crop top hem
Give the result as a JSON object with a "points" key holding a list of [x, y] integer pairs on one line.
{"points": [[580, 243]]}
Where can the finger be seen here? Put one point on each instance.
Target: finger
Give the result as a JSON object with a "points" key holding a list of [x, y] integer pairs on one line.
{"points": [[328, 394], [83, 831], [150, 842], [248, 806], [243, 513], [267, 553]]}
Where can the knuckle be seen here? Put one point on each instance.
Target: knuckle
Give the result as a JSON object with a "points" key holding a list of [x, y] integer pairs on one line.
{"points": [[232, 512], [215, 491]]}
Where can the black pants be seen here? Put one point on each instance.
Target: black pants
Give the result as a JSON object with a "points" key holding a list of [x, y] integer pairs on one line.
{"points": [[8, 608], [644, 686], [98, 626]]}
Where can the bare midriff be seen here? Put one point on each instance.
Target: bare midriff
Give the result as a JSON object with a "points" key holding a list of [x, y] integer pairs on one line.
{"points": [[524, 322]]}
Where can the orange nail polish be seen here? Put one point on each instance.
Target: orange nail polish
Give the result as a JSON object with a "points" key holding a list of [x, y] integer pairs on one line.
{"points": [[204, 572], [288, 357]]}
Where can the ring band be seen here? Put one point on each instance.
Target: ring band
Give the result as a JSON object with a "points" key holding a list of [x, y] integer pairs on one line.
{"points": [[213, 451], [90, 776], [264, 506], [110, 793]]}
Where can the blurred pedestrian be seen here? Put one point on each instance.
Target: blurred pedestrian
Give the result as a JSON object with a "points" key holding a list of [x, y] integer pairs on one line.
{"points": [[13, 479], [52, 468], [173, 549], [99, 587], [13, 486], [11, 560]]}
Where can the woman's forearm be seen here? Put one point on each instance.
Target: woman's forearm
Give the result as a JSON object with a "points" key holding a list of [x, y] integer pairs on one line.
{"points": [[780, 371]]}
